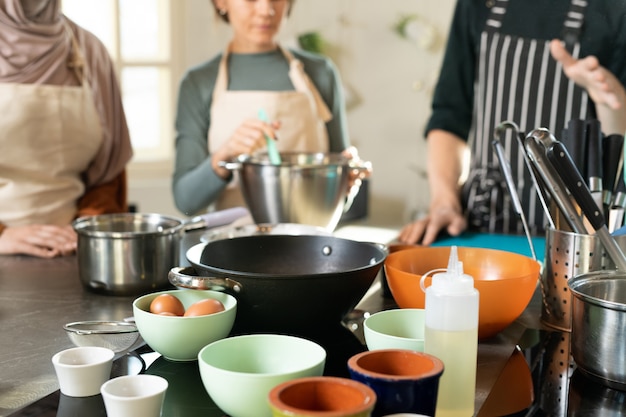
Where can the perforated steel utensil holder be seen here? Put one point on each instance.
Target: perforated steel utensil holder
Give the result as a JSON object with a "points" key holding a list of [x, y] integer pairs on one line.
{"points": [[567, 255]]}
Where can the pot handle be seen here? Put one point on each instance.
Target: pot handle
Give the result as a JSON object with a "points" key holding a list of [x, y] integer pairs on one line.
{"points": [[230, 165], [359, 170], [186, 277], [216, 218]]}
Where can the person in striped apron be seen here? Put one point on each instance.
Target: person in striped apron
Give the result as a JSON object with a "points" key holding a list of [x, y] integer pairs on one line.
{"points": [[536, 63]]}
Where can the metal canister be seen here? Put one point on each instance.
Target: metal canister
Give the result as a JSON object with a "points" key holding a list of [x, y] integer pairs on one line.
{"points": [[567, 255]]}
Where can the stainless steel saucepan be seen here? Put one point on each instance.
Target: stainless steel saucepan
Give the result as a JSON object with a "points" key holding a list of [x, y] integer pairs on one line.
{"points": [[598, 323], [132, 253]]}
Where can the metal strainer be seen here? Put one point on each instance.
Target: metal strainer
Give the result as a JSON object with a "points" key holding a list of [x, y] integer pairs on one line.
{"points": [[119, 336]]}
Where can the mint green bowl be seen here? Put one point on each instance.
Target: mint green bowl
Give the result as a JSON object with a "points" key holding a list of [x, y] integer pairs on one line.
{"points": [[401, 328], [239, 372], [181, 338]]}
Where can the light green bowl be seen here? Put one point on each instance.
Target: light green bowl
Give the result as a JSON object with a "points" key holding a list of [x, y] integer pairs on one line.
{"points": [[181, 338], [239, 372], [401, 328]]}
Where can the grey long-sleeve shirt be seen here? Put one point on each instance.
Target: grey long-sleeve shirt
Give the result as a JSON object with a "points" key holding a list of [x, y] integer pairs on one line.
{"points": [[195, 184]]}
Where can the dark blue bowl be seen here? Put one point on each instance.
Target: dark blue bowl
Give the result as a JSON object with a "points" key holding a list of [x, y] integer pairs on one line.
{"points": [[404, 381]]}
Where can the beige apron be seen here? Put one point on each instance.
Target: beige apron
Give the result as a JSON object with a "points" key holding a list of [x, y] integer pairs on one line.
{"points": [[48, 136], [302, 114]]}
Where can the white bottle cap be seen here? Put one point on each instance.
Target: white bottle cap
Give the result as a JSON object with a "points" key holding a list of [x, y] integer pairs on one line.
{"points": [[453, 281]]}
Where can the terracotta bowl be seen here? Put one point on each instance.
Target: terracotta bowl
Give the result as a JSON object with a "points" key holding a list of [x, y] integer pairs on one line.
{"points": [[322, 396], [505, 281]]}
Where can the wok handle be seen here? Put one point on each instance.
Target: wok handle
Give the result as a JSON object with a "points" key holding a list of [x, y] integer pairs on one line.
{"points": [[186, 277]]}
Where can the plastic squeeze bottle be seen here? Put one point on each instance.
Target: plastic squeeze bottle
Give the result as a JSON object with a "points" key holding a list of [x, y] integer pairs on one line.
{"points": [[451, 334]]}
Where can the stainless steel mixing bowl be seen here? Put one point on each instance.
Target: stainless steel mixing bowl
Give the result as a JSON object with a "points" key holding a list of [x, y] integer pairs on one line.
{"points": [[306, 188]]}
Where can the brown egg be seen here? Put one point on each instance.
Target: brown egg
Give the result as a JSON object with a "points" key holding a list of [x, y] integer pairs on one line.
{"points": [[167, 304], [204, 307]]}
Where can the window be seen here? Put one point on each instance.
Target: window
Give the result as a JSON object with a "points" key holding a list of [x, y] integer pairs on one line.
{"points": [[137, 34]]}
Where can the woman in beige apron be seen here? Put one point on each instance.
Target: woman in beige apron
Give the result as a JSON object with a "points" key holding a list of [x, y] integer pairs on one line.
{"points": [[224, 120], [302, 111], [55, 136]]}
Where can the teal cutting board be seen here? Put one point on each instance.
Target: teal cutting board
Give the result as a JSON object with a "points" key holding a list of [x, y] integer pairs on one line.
{"points": [[511, 243]]}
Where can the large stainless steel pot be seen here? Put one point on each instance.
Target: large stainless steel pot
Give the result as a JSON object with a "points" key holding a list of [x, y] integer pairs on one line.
{"points": [[306, 188], [296, 284], [132, 253], [599, 326]]}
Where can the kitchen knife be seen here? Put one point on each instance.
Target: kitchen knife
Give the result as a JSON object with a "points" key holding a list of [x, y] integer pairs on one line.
{"points": [[562, 162], [618, 205], [535, 145], [594, 161], [575, 141], [611, 161]]}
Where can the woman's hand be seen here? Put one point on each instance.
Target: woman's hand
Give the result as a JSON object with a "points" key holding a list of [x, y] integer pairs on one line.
{"points": [[247, 139], [41, 240], [444, 164], [356, 174], [601, 85], [426, 229]]}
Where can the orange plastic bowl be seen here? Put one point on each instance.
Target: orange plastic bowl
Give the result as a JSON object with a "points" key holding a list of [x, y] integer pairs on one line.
{"points": [[505, 281]]}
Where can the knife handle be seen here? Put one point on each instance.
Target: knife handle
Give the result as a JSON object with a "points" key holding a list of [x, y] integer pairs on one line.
{"points": [[611, 157], [619, 200], [594, 154], [562, 162], [575, 141]]}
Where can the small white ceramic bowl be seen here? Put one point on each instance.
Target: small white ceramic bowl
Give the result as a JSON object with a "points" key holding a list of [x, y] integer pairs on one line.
{"points": [[82, 370], [134, 395], [395, 329], [239, 372]]}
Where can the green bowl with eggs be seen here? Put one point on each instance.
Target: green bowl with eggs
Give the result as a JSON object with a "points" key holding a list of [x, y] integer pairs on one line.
{"points": [[180, 338]]}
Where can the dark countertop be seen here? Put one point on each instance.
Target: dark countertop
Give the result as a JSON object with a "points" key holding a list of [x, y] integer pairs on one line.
{"points": [[37, 297]]}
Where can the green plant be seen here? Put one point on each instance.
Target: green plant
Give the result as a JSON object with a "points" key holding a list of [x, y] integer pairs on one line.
{"points": [[311, 41]]}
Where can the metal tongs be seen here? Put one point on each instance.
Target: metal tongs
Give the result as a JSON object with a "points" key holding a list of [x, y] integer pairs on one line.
{"points": [[559, 173], [510, 183]]}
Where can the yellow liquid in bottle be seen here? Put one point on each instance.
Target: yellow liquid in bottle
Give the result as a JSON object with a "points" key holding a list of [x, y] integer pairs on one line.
{"points": [[457, 387]]}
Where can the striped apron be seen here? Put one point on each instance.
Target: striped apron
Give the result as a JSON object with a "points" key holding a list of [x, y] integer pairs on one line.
{"points": [[519, 81]]}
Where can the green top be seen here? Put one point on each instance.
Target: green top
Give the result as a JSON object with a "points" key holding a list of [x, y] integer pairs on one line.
{"points": [[603, 35], [195, 184]]}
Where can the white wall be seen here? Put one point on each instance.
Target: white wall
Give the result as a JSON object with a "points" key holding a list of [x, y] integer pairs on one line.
{"points": [[391, 77]]}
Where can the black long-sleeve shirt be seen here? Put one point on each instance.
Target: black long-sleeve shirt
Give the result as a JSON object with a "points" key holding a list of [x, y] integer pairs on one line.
{"points": [[603, 35]]}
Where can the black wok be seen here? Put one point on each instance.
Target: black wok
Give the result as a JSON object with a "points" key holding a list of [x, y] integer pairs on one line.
{"points": [[286, 284]]}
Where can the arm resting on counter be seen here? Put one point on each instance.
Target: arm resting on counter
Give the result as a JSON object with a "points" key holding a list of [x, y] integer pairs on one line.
{"points": [[110, 197]]}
